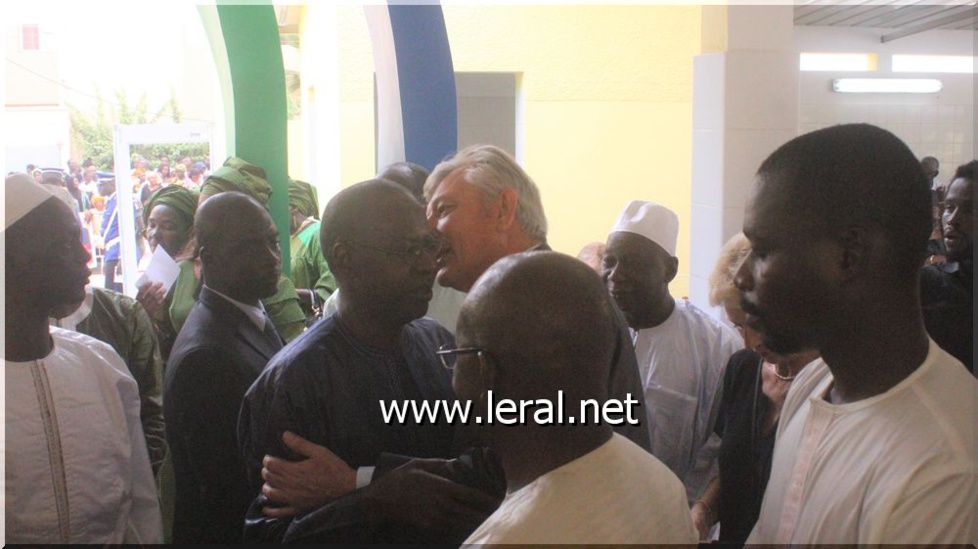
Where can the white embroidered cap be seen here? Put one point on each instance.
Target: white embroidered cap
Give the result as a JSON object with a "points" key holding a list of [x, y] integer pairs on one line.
{"points": [[21, 196], [653, 221]]}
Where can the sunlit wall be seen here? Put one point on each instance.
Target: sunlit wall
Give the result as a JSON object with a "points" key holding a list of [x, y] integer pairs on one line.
{"points": [[605, 102]]}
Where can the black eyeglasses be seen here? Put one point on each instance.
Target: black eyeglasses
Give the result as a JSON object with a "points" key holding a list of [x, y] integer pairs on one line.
{"points": [[429, 247], [448, 354]]}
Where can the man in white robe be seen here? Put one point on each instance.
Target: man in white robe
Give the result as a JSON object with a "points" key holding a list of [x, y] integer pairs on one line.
{"points": [[876, 443], [77, 469], [681, 350], [535, 324]]}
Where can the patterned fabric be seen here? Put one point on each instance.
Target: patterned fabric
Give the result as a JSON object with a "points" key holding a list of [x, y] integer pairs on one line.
{"points": [[309, 268], [179, 198], [303, 196], [121, 321], [238, 175]]}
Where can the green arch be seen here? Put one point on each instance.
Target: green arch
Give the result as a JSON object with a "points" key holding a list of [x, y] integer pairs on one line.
{"points": [[245, 42]]}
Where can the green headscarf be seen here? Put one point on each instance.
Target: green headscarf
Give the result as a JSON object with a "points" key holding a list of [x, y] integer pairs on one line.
{"points": [[182, 199], [238, 175], [304, 197]]}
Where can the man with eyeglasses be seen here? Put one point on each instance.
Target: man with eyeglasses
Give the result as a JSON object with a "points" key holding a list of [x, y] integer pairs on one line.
{"points": [[533, 325], [445, 302], [311, 427]]}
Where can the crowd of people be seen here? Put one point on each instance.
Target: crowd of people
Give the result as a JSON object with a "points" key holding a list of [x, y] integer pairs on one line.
{"points": [[91, 193], [832, 400]]}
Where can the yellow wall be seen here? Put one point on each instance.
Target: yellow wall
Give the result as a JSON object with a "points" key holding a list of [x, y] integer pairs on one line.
{"points": [[608, 105], [356, 69], [607, 95]]}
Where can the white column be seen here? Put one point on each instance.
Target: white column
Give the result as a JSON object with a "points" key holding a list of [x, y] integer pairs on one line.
{"points": [[321, 98], [745, 104]]}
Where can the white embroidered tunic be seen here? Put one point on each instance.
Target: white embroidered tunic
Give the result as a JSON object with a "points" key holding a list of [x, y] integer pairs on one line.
{"points": [[77, 469]]}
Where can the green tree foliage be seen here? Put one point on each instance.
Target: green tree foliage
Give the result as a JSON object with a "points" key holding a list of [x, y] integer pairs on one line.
{"points": [[94, 130]]}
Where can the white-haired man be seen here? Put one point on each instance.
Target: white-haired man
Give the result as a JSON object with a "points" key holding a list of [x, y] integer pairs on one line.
{"points": [[486, 207]]}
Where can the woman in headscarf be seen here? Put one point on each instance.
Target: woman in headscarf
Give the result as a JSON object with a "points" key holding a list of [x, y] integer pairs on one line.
{"points": [[168, 218], [309, 268]]}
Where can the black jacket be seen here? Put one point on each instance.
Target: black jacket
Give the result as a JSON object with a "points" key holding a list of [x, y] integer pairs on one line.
{"points": [[216, 357]]}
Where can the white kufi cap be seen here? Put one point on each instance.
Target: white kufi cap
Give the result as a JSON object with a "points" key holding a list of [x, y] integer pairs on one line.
{"points": [[21, 196], [653, 221]]}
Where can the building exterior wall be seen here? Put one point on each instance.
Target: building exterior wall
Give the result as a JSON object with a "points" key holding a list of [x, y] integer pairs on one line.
{"points": [[606, 97], [35, 120], [35, 135]]}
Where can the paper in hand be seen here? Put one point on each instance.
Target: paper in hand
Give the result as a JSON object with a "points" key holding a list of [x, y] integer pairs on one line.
{"points": [[161, 268]]}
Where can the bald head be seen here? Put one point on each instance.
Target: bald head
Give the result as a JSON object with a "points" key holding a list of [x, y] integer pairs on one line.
{"points": [[352, 212], [213, 216], [238, 247], [546, 318], [853, 175], [382, 253], [409, 175]]}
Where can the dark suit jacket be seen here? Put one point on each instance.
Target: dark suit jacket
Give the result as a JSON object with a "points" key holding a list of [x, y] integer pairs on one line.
{"points": [[215, 358]]}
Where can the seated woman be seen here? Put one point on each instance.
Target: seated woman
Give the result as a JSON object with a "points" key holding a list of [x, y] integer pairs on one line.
{"points": [[755, 384]]}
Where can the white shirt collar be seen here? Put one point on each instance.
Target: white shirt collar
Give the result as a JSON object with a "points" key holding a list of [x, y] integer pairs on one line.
{"points": [[256, 314]]}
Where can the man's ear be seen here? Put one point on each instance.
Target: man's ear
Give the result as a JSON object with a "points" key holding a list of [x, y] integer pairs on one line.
{"points": [[340, 261], [504, 209], [672, 268], [856, 246]]}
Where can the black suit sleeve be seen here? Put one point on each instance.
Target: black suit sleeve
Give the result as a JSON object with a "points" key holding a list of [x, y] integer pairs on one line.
{"points": [[350, 520], [212, 492]]}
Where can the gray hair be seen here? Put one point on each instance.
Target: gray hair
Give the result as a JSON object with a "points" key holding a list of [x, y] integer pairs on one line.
{"points": [[493, 170]]}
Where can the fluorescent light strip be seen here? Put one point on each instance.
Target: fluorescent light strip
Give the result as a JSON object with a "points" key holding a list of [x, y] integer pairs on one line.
{"points": [[887, 85]]}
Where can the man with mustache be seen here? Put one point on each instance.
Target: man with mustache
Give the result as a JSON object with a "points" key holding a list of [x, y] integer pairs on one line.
{"points": [[876, 442], [223, 346]]}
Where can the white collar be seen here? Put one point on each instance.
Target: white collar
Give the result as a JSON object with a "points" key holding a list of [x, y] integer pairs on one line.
{"points": [[256, 314]]}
